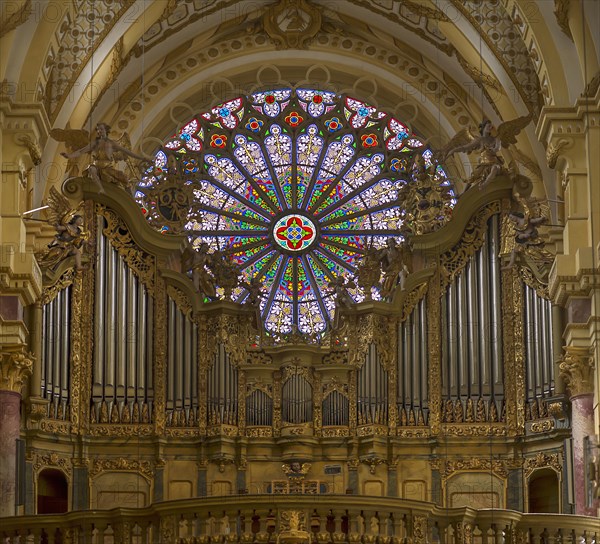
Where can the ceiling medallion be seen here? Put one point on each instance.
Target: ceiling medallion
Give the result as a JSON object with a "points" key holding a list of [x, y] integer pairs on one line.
{"points": [[292, 23]]}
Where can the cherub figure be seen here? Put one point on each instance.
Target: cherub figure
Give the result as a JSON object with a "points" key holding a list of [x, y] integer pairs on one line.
{"points": [[488, 143], [520, 232], [368, 272], [340, 286], [200, 262], [393, 266], [105, 152], [70, 233], [225, 271]]}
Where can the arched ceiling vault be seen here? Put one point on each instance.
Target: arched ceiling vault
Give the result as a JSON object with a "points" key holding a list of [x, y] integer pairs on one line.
{"points": [[440, 65]]}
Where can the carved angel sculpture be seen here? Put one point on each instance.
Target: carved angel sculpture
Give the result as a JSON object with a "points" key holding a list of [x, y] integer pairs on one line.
{"points": [[394, 266], [490, 164], [105, 152], [340, 286], [368, 272], [70, 234], [199, 263], [520, 232]]}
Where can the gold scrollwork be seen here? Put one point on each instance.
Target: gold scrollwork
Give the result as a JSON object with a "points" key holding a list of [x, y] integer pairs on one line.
{"points": [[141, 263], [144, 468], [450, 466], [542, 460], [542, 426], [46, 460], [181, 299], [49, 293]]}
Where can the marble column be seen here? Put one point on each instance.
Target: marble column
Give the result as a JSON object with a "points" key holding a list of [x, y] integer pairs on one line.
{"points": [[577, 369], [15, 367]]}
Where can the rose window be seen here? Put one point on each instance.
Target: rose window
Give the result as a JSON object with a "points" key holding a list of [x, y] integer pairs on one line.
{"points": [[293, 187]]}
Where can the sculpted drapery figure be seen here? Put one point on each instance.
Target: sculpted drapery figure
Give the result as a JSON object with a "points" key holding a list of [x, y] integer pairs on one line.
{"points": [[489, 143], [105, 153], [70, 233]]}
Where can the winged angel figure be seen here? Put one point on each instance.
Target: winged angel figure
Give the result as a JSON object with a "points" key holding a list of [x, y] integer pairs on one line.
{"points": [[105, 152], [488, 143], [520, 235], [70, 233]]}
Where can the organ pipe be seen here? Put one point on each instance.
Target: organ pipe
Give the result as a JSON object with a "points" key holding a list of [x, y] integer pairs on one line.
{"points": [[55, 356], [122, 366], [539, 352], [182, 367], [372, 390], [471, 326]]}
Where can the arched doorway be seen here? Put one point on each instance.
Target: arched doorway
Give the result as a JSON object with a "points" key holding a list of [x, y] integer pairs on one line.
{"points": [[543, 491], [52, 492]]}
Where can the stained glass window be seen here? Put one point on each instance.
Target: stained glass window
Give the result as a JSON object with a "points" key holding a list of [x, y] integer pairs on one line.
{"points": [[293, 187]]}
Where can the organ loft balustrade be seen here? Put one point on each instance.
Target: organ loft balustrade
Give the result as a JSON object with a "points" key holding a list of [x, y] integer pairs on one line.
{"points": [[295, 519]]}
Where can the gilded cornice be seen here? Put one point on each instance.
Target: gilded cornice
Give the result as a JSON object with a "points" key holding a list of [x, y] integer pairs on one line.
{"points": [[16, 366], [577, 370]]}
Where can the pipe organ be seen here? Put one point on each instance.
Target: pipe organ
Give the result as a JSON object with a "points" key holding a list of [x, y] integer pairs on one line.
{"points": [[472, 366], [296, 399], [372, 388], [56, 354], [122, 381], [259, 409], [413, 367], [182, 368], [222, 389], [539, 356], [336, 409]]}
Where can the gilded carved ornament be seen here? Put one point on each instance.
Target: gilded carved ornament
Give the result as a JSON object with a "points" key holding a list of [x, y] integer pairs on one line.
{"points": [[16, 366], [448, 468], [181, 299], [144, 468], [141, 263], [577, 370], [542, 460], [49, 293], [51, 460]]}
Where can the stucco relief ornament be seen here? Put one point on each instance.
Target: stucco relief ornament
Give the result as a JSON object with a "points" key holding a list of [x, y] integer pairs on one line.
{"points": [[292, 23]]}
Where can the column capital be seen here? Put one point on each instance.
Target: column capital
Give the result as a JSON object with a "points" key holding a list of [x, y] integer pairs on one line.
{"points": [[577, 369], [15, 367]]}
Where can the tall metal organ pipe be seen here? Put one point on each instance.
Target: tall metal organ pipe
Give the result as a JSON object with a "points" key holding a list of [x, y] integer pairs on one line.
{"points": [[413, 366], [182, 367], [296, 400], [222, 389], [539, 352], [122, 388], [372, 398], [55, 359], [472, 366]]}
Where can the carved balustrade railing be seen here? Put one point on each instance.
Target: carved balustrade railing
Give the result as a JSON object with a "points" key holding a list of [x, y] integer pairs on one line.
{"points": [[318, 520]]}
